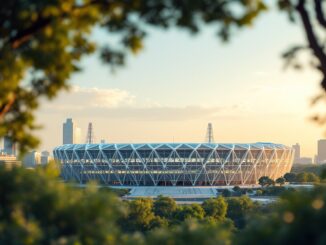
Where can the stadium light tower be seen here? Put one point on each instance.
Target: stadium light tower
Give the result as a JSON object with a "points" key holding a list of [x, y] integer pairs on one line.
{"points": [[209, 134], [90, 139]]}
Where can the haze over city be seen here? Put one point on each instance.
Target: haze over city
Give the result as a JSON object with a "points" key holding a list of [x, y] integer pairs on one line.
{"points": [[166, 94]]}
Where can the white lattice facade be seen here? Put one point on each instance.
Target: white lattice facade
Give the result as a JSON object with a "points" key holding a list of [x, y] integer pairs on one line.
{"points": [[165, 164]]}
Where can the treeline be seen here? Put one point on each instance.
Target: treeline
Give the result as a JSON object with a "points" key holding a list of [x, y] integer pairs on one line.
{"points": [[302, 177], [147, 214], [35, 208], [309, 168]]}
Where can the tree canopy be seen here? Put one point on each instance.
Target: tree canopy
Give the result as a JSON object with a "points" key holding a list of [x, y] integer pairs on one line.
{"points": [[35, 208], [297, 219], [42, 43]]}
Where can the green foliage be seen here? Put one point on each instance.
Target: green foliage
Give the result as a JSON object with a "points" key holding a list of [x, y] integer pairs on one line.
{"points": [[193, 211], [191, 232], [226, 193], [158, 222], [259, 192], [311, 168], [216, 208], [307, 177], [236, 188], [140, 215], [313, 178], [298, 219], [280, 181], [43, 42], [238, 208], [265, 181], [164, 207], [323, 174], [301, 177], [36, 209], [290, 177]]}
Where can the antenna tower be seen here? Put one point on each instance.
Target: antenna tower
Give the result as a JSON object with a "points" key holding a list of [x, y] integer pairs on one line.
{"points": [[90, 139], [209, 134]]}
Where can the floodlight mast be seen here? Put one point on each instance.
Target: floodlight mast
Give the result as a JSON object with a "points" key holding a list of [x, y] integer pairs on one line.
{"points": [[90, 139], [209, 134]]}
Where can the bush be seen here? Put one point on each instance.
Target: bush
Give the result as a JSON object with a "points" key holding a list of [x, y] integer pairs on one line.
{"points": [[140, 215], [290, 177], [215, 207], [238, 208], [35, 208], [298, 219], [164, 207], [193, 211], [259, 193], [192, 232], [226, 193]]}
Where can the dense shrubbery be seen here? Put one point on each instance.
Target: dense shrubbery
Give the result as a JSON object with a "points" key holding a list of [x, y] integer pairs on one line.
{"points": [[35, 208], [298, 219], [302, 177]]}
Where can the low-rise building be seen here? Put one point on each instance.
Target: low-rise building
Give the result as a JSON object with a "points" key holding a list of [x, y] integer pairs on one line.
{"points": [[9, 160], [45, 157], [32, 159]]}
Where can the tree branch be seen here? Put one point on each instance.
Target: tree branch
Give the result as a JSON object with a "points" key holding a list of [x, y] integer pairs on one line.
{"points": [[312, 39], [7, 107], [24, 35], [320, 13]]}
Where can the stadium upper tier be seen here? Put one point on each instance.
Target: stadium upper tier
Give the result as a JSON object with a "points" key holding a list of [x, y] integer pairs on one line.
{"points": [[185, 164]]}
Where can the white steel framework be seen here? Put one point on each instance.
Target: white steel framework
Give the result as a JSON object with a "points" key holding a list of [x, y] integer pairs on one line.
{"points": [[174, 164]]}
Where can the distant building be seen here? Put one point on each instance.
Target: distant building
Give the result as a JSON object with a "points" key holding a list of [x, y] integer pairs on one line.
{"points": [[32, 159], [45, 157], [297, 155], [9, 148], [304, 160], [9, 160], [315, 159], [321, 155], [71, 133]]}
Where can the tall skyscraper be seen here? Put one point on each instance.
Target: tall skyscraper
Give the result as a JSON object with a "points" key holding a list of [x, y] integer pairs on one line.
{"points": [[71, 133], [321, 155], [297, 155]]}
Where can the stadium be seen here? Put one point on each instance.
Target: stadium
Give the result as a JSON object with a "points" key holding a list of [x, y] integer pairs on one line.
{"points": [[175, 164]]}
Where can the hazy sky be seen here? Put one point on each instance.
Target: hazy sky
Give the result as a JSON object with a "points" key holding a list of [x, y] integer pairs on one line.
{"points": [[179, 83]]}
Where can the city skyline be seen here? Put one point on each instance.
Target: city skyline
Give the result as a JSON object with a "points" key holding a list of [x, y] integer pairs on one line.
{"points": [[174, 97]]}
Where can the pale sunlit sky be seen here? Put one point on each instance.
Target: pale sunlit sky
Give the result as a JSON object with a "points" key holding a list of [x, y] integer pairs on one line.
{"points": [[179, 83]]}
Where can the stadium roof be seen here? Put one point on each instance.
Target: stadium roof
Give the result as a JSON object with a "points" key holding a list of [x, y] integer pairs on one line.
{"points": [[162, 146]]}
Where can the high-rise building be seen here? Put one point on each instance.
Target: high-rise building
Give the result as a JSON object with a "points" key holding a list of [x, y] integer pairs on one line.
{"points": [[321, 155], [71, 133], [297, 155], [9, 147]]}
